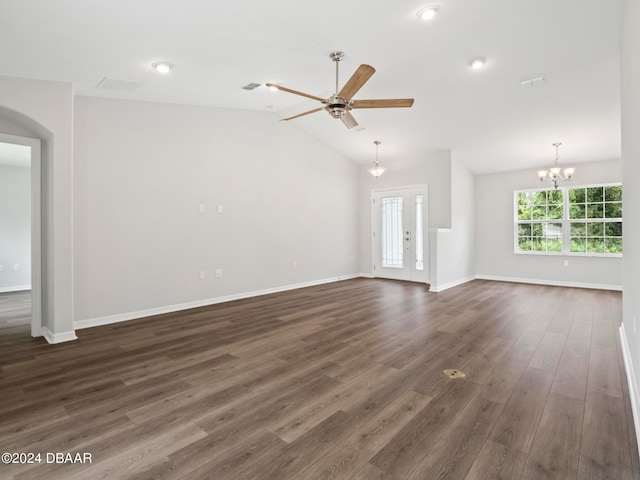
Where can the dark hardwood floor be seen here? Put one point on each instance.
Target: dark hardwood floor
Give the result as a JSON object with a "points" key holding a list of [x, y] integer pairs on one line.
{"points": [[342, 380]]}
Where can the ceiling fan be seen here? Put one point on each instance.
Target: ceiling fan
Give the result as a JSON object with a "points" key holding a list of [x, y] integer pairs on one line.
{"points": [[340, 104]]}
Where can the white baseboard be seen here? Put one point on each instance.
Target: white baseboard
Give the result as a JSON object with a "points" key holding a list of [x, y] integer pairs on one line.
{"points": [[631, 379], [367, 275], [58, 337], [123, 317], [446, 286], [554, 283], [19, 288]]}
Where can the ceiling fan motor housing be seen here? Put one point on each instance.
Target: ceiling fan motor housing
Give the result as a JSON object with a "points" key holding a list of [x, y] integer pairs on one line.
{"points": [[337, 106]]}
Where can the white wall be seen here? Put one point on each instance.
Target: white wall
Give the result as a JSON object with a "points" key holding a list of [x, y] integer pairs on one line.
{"points": [[142, 170], [453, 255], [495, 224], [44, 110], [433, 169], [631, 168], [15, 228]]}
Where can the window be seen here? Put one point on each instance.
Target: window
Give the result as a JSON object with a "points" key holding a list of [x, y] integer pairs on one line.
{"points": [[539, 226], [391, 227], [580, 221], [595, 215], [419, 235]]}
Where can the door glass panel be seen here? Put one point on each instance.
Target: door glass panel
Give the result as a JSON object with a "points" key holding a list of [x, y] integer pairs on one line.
{"points": [[419, 235], [391, 232]]}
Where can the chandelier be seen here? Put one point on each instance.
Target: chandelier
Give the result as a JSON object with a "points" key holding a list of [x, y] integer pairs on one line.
{"points": [[556, 175], [377, 169]]}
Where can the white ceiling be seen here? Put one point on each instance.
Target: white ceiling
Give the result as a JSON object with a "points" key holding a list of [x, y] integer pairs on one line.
{"points": [[489, 121]]}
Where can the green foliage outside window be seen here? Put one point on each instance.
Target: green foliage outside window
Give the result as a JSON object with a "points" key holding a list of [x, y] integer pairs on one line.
{"points": [[599, 210], [593, 223], [540, 234]]}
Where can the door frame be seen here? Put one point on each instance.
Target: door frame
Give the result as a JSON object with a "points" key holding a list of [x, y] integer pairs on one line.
{"points": [[36, 226], [424, 188]]}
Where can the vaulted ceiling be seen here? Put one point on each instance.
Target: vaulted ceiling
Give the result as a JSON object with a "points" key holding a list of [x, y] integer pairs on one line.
{"points": [[487, 117]]}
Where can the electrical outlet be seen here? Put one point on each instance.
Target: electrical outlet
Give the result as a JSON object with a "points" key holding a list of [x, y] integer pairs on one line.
{"points": [[201, 274], [566, 263], [219, 208], [219, 273], [202, 208]]}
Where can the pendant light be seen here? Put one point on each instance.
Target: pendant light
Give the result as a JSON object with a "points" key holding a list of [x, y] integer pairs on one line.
{"points": [[377, 169]]}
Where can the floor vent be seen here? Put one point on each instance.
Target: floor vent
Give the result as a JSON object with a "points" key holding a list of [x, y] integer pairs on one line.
{"points": [[453, 373]]}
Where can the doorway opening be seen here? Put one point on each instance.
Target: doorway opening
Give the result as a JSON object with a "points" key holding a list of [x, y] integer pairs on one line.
{"points": [[20, 224]]}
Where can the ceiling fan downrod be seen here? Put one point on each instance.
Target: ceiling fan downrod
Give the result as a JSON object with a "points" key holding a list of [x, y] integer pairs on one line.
{"points": [[335, 105], [336, 57]]}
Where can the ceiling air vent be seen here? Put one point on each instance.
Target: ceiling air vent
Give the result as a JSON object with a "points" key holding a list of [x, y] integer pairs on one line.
{"points": [[118, 84], [532, 82], [251, 86]]}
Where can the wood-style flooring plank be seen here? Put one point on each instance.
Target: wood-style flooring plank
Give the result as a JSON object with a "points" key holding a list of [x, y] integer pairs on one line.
{"points": [[337, 381], [351, 454], [406, 450], [555, 451], [516, 427], [497, 462], [571, 378], [458, 447], [603, 452]]}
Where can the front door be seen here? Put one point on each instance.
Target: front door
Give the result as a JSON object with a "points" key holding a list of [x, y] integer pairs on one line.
{"points": [[400, 233]]}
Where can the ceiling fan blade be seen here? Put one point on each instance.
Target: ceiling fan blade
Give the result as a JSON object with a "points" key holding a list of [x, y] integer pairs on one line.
{"points": [[295, 92], [348, 120], [383, 103], [302, 114], [357, 80]]}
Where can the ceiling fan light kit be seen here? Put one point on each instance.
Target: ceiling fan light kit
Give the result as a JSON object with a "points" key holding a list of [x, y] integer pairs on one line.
{"points": [[340, 104]]}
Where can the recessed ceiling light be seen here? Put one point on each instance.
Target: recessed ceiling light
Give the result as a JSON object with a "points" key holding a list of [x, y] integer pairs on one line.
{"points": [[477, 63], [162, 67], [427, 13]]}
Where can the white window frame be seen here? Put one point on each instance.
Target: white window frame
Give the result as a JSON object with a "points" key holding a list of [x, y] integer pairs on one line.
{"points": [[565, 221]]}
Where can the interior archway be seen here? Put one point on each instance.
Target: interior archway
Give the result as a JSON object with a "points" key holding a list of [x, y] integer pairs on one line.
{"points": [[18, 129]]}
